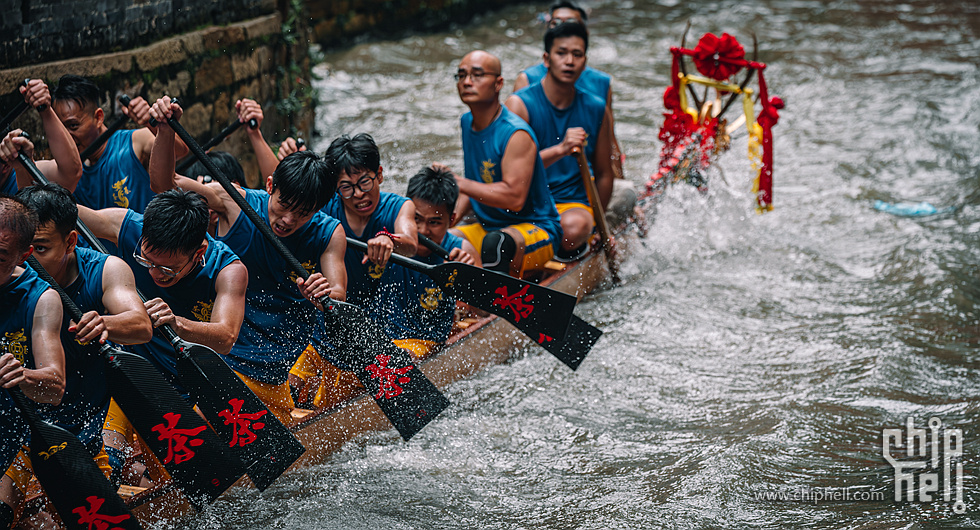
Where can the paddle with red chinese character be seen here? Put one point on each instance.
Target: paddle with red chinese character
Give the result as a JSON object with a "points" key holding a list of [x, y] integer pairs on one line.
{"points": [[598, 215], [225, 133], [405, 395], [257, 438], [533, 309], [191, 453], [79, 491], [470, 283]]}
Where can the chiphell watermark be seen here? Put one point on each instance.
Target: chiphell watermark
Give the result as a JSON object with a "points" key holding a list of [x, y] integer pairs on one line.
{"points": [[927, 461], [804, 494]]}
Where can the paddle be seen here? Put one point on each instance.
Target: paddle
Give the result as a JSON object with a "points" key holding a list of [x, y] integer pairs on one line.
{"points": [[17, 110], [534, 309], [571, 350], [265, 447], [191, 453], [405, 395], [71, 479], [598, 214], [117, 124], [225, 133]]}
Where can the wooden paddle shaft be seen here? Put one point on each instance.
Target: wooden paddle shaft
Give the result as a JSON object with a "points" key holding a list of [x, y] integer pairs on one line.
{"points": [[598, 212]]}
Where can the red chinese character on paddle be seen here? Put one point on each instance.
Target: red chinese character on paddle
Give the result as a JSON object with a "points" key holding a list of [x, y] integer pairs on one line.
{"points": [[542, 338], [243, 423], [94, 519], [178, 440], [388, 377], [515, 302]]}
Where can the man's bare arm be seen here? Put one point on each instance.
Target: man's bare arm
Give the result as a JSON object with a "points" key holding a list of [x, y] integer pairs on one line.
{"points": [[227, 313], [46, 382], [517, 169], [126, 321]]}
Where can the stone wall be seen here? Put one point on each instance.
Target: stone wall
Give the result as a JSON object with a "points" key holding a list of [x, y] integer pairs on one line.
{"points": [[38, 31], [209, 69]]}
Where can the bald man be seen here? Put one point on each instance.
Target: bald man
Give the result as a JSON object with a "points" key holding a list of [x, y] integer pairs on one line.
{"points": [[518, 227]]}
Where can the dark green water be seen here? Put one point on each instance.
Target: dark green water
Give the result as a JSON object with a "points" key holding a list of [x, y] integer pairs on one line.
{"points": [[746, 354]]}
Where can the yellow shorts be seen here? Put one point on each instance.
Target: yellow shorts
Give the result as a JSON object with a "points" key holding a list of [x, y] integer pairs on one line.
{"points": [[565, 206], [419, 348], [538, 248], [116, 421], [21, 472], [276, 397]]}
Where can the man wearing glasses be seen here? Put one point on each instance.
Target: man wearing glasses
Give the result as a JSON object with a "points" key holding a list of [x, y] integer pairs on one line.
{"points": [[192, 283], [280, 320], [384, 221], [504, 183]]}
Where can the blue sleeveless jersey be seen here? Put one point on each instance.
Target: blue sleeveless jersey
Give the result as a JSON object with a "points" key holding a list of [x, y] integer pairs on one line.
{"points": [[191, 298], [18, 300], [279, 322], [9, 186], [363, 280], [550, 123], [593, 81], [117, 179], [410, 305], [83, 408], [483, 153]]}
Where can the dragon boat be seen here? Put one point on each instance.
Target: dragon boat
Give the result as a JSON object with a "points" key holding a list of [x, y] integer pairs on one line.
{"points": [[346, 410], [695, 129]]}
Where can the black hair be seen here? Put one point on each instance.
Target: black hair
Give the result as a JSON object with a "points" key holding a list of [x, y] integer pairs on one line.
{"points": [[303, 181], [17, 217], [565, 29], [175, 222], [226, 162], [52, 203], [435, 187], [569, 5], [78, 89], [352, 154]]}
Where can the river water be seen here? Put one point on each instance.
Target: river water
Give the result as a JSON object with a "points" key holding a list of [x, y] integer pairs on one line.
{"points": [[746, 355]]}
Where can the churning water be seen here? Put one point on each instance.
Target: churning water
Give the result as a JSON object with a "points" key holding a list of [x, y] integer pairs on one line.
{"points": [[749, 363]]}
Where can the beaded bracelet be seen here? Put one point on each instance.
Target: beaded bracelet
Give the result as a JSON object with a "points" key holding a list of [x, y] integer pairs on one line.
{"points": [[386, 233]]}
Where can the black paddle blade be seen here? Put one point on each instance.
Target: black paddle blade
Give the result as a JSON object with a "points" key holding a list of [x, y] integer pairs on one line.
{"points": [[263, 444], [191, 452], [533, 309], [79, 491], [390, 375], [578, 342]]}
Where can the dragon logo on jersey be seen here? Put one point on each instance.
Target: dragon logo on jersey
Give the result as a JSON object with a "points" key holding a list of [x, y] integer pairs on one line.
{"points": [[486, 172], [202, 311], [120, 193], [15, 343], [310, 269], [431, 298], [375, 271]]}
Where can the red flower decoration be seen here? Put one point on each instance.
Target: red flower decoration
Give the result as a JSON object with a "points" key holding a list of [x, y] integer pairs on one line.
{"points": [[718, 57]]}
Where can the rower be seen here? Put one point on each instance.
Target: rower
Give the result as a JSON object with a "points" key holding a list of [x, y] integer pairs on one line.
{"points": [[384, 221], [279, 320], [31, 354], [593, 81], [191, 282], [116, 174], [564, 118], [103, 288], [410, 305], [505, 183], [65, 164]]}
